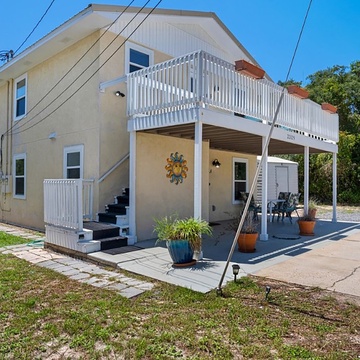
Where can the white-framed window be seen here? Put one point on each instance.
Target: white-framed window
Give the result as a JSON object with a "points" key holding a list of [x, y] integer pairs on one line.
{"points": [[240, 178], [137, 57], [19, 176], [73, 162], [20, 97]]}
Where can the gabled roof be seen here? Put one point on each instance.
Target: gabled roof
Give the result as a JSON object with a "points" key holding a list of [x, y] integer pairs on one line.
{"points": [[96, 17]]}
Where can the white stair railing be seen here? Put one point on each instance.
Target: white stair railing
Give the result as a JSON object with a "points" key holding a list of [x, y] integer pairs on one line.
{"points": [[67, 202]]}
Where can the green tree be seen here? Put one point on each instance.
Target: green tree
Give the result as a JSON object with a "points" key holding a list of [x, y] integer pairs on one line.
{"points": [[339, 86]]}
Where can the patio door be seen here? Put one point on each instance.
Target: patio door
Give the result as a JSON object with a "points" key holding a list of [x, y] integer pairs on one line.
{"points": [[281, 179]]}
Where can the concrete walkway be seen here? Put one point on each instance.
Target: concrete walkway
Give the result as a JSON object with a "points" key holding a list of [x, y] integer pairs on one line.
{"points": [[79, 270]]}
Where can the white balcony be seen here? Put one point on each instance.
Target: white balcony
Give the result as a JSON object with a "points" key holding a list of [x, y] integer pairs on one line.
{"points": [[177, 91]]}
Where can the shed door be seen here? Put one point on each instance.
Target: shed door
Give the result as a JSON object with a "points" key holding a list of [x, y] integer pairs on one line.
{"points": [[282, 179]]}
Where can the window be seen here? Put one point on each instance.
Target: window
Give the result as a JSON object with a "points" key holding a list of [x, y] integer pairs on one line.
{"points": [[137, 57], [19, 175], [240, 178], [20, 93], [73, 162]]}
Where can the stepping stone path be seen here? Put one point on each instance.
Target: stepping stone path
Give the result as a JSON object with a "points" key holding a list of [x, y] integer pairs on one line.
{"points": [[75, 269]]}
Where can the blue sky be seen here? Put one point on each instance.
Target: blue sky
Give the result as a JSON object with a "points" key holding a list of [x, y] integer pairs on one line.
{"points": [[267, 28]]}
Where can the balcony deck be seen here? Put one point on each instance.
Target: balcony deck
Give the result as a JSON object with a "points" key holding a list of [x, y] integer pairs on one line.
{"points": [[171, 96]]}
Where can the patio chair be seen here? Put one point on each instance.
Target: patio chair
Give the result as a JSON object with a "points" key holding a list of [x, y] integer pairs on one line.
{"points": [[255, 208], [291, 205], [279, 207]]}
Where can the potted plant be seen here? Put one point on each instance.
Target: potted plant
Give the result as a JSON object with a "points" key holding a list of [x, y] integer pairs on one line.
{"points": [[182, 236], [249, 232], [306, 225], [312, 207]]}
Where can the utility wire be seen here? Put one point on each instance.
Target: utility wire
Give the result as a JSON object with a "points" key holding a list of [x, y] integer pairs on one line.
{"points": [[67, 73], [42, 17], [91, 76], [264, 151]]}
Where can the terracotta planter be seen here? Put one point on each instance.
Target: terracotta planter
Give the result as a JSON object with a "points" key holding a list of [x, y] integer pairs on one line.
{"points": [[249, 69], [247, 242], [306, 227], [329, 108], [297, 91]]}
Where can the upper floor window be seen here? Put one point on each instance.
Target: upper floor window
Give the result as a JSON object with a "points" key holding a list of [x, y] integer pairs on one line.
{"points": [[73, 162], [19, 174], [20, 95], [240, 178], [137, 57]]}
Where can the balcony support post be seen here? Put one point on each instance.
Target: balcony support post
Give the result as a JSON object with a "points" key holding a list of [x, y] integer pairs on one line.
{"points": [[306, 179], [132, 183], [264, 236], [198, 169], [334, 217]]}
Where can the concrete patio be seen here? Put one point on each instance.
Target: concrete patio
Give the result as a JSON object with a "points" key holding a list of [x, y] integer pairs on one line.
{"points": [[330, 259]]}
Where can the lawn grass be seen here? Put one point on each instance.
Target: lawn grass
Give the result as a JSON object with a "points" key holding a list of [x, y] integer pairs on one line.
{"points": [[45, 315]]}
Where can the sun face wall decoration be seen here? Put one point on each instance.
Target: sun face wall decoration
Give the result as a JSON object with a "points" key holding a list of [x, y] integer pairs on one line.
{"points": [[176, 168]]}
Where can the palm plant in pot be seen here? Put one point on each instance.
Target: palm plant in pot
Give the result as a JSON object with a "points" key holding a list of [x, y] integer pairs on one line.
{"points": [[248, 234], [183, 236], [307, 224]]}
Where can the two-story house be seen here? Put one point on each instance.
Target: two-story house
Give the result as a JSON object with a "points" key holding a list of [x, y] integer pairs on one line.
{"points": [[168, 104]]}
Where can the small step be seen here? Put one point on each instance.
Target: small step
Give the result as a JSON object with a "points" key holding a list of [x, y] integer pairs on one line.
{"points": [[113, 242], [107, 217], [117, 209], [123, 199], [101, 230]]}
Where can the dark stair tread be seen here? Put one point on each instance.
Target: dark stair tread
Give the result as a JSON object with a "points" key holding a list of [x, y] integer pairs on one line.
{"points": [[113, 242], [118, 209], [101, 230], [108, 217], [123, 199]]}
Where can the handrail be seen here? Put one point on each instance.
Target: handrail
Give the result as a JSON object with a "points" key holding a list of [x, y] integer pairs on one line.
{"points": [[114, 167]]}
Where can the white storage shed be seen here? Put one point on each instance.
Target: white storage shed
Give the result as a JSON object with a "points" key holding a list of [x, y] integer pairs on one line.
{"points": [[282, 176]]}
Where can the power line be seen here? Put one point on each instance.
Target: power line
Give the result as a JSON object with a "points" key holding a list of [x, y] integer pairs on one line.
{"points": [[66, 74], [38, 23], [91, 76]]}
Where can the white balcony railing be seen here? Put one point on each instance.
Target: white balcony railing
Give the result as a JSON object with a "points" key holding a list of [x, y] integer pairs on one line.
{"points": [[200, 79], [67, 202]]}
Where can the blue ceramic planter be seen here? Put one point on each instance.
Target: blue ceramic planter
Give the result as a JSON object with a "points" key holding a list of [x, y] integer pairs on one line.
{"points": [[180, 251]]}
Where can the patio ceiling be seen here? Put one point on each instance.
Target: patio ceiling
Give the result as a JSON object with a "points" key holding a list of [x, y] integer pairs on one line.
{"points": [[231, 140]]}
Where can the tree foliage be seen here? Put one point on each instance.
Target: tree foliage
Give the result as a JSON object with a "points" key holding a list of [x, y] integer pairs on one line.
{"points": [[339, 86]]}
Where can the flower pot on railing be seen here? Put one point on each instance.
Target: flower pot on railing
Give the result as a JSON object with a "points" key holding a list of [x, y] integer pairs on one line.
{"points": [[249, 69], [298, 91], [329, 108]]}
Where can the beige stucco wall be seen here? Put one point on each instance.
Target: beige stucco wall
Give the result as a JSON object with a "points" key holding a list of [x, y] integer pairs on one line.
{"points": [[75, 123], [90, 118], [156, 196], [221, 183]]}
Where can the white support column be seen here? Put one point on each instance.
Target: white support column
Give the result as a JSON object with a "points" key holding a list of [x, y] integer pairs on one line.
{"points": [[264, 236], [306, 179], [334, 218], [132, 188], [198, 170]]}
